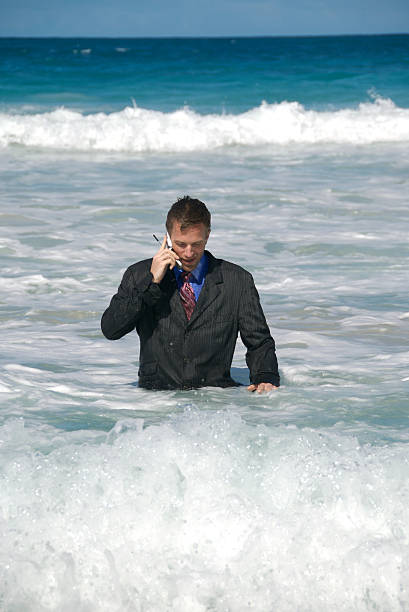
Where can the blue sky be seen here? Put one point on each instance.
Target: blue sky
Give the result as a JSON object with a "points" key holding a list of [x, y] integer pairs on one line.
{"points": [[130, 18]]}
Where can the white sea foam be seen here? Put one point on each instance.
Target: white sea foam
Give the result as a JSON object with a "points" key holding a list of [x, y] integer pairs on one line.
{"points": [[136, 129], [201, 513]]}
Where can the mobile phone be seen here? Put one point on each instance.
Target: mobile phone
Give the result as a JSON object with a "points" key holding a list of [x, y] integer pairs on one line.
{"points": [[169, 243]]}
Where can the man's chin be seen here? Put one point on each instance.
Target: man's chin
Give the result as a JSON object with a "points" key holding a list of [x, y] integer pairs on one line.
{"points": [[188, 267]]}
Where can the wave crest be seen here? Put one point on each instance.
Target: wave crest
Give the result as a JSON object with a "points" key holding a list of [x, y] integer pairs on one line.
{"points": [[136, 129]]}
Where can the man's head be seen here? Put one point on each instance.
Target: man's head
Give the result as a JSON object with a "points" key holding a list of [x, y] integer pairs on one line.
{"points": [[188, 224], [188, 211]]}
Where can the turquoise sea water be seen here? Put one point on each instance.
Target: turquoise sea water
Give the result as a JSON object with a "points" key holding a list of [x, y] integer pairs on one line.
{"points": [[115, 498], [208, 75]]}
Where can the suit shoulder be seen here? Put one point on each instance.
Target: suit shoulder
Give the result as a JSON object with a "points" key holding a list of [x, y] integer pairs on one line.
{"points": [[234, 270], [138, 269], [234, 274], [140, 266]]}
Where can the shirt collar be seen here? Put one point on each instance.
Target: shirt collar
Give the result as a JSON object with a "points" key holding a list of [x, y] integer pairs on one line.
{"points": [[198, 273]]}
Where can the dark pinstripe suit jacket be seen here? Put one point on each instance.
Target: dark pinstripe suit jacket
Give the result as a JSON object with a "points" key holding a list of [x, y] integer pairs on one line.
{"points": [[179, 354]]}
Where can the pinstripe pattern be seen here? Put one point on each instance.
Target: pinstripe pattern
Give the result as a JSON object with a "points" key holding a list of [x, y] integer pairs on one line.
{"points": [[179, 353]]}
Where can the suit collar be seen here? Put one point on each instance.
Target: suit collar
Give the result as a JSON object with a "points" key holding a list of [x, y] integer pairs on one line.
{"points": [[209, 292], [211, 287], [214, 273]]}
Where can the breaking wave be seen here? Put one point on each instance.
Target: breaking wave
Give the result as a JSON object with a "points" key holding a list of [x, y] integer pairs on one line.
{"points": [[136, 129], [201, 513]]}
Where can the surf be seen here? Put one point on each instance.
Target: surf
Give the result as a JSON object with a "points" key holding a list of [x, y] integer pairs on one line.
{"points": [[135, 129]]}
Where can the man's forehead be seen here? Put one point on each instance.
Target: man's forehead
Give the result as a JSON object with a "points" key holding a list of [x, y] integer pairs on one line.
{"points": [[198, 230]]}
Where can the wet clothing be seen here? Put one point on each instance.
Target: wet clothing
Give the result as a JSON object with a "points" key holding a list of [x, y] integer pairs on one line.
{"points": [[179, 354]]}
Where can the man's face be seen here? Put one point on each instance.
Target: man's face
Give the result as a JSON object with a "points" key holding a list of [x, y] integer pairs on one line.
{"points": [[189, 245]]}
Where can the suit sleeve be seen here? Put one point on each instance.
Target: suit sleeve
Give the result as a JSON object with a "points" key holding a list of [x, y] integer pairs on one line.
{"points": [[129, 304], [261, 356]]}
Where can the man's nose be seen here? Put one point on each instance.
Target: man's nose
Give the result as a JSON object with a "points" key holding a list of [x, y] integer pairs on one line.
{"points": [[189, 251]]}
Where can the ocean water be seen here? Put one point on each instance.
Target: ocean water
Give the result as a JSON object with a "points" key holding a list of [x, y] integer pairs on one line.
{"points": [[116, 498]]}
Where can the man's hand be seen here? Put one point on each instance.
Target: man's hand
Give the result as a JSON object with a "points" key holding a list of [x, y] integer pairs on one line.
{"points": [[261, 387], [164, 257]]}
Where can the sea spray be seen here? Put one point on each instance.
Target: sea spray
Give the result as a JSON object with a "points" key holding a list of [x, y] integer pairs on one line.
{"points": [[202, 512]]}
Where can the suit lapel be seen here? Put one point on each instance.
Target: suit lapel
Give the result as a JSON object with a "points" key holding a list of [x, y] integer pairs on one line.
{"points": [[211, 288], [170, 287], [208, 294]]}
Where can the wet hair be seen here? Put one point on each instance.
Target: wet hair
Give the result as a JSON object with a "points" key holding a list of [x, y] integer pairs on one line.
{"points": [[188, 211]]}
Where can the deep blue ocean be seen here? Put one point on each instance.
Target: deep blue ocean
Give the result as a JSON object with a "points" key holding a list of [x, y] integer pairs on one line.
{"points": [[223, 75], [214, 500]]}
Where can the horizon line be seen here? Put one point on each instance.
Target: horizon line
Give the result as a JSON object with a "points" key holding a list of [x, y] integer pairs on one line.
{"points": [[204, 37]]}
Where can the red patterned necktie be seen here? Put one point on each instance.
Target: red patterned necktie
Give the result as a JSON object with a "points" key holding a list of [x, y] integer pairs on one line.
{"points": [[187, 294]]}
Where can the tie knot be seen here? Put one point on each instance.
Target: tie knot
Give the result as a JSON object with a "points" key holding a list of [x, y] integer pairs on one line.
{"points": [[186, 276]]}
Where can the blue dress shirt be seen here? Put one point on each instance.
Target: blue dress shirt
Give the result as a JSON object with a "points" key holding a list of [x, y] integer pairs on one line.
{"points": [[198, 276]]}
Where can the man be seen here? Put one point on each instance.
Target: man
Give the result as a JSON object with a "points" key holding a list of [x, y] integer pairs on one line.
{"points": [[188, 308]]}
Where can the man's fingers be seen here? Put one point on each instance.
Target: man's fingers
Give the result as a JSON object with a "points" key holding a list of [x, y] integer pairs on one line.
{"points": [[165, 256], [265, 387], [261, 387], [160, 262], [169, 256], [164, 243]]}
